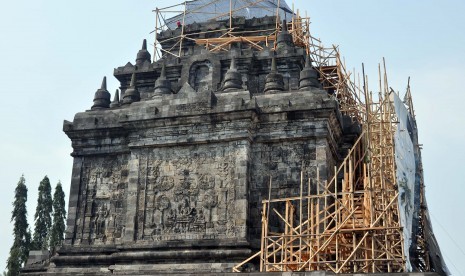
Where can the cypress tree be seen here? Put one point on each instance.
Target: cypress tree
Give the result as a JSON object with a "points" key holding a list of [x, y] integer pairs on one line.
{"points": [[59, 216], [14, 263], [43, 216], [22, 237]]}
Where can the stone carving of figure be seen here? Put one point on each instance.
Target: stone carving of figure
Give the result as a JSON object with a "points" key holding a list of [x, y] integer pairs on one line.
{"points": [[171, 219], [152, 222], [97, 220], [94, 228], [206, 182], [184, 208], [163, 203], [101, 219], [201, 216], [210, 200], [198, 224], [110, 221]]}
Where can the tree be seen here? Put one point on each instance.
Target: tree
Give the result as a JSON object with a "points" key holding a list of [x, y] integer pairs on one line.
{"points": [[43, 216], [22, 236], [59, 216], [14, 262]]}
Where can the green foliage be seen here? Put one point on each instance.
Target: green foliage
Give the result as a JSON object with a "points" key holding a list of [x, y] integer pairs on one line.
{"points": [[42, 217], [22, 236], [14, 262], [59, 216]]}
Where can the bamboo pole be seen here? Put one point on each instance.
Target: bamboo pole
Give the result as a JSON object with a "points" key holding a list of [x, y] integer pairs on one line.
{"points": [[182, 28], [317, 213], [301, 212], [310, 219], [264, 236], [230, 14], [277, 16], [155, 52]]}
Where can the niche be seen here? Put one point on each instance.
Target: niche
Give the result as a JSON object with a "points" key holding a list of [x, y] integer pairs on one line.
{"points": [[200, 75]]}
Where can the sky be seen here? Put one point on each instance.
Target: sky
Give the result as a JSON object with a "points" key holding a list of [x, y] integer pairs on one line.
{"points": [[55, 53]]}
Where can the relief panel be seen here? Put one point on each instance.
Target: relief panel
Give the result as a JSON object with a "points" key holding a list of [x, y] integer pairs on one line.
{"points": [[100, 219], [191, 193]]}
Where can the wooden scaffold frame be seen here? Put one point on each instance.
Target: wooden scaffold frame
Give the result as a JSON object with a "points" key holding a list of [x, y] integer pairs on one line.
{"points": [[350, 224]]}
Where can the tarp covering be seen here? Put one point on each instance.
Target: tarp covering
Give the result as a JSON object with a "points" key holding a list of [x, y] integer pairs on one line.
{"points": [[409, 175], [405, 172], [205, 10]]}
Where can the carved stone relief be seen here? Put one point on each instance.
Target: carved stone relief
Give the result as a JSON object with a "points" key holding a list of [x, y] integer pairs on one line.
{"points": [[187, 193], [100, 219]]}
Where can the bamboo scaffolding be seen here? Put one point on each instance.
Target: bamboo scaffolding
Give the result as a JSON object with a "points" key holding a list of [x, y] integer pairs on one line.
{"points": [[352, 222]]}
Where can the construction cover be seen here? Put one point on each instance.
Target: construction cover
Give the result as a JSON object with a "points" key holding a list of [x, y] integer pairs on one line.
{"points": [[410, 180], [405, 172], [205, 10]]}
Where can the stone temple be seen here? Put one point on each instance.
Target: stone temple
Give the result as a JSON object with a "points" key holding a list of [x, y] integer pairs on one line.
{"points": [[169, 174]]}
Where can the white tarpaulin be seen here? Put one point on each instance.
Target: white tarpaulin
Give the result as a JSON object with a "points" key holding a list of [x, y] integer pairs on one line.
{"points": [[405, 172]]}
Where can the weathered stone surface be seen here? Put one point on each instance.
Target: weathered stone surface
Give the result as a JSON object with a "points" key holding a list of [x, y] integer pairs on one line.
{"points": [[132, 93], [308, 76], [232, 78], [162, 85], [274, 80], [102, 96], [115, 102], [143, 56], [284, 41]]}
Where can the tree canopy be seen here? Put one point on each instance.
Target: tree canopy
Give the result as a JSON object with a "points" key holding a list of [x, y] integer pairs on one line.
{"points": [[59, 216], [22, 236], [42, 217], [47, 233]]}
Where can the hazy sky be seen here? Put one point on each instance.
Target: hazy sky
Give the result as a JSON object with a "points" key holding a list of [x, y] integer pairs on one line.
{"points": [[54, 54]]}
